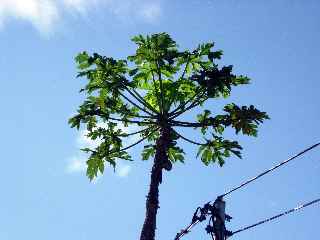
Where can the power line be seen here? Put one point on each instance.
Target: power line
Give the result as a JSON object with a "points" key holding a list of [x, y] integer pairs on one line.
{"points": [[277, 216], [193, 223], [186, 230], [270, 170]]}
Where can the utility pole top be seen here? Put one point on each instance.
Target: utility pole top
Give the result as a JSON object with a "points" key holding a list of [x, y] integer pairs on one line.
{"points": [[218, 218]]}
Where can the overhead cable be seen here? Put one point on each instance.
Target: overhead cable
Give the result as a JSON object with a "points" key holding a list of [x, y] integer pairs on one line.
{"points": [[195, 222], [270, 170], [277, 216], [186, 230]]}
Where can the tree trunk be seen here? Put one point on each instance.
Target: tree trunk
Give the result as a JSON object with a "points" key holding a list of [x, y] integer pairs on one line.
{"points": [[152, 203]]}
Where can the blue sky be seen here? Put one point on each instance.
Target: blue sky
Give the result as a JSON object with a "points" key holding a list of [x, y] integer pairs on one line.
{"points": [[45, 194]]}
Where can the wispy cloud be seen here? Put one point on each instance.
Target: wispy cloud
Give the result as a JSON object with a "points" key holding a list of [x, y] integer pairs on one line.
{"points": [[44, 15], [76, 164], [123, 171], [83, 141], [150, 11], [82, 6]]}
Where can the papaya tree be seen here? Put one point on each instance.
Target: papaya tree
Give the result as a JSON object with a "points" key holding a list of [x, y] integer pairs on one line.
{"points": [[153, 89]]}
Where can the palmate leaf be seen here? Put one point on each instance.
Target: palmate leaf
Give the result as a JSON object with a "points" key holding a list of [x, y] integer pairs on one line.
{"points": [[108, 151], [217, 149], [244, 119], [152, 88], [218, 82], [94, 166], [148, 152], [176, 154]]}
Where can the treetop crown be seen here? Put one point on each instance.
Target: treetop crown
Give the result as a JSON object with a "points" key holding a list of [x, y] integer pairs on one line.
{"points": [[152, 89]]}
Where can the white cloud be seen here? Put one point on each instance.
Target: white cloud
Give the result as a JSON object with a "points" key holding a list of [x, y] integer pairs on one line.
{"points": [[76, 164], [123, 171], [45, 14], [150, 11], [83, 141], [42, 14], [81, 5]]}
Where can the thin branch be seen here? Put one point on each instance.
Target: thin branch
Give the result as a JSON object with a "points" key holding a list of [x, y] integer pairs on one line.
{"points": [[182, 76], [184, 104], [189, 140], [161, 86], [136, 143], [130, 121], [157, 94], [137, 132], [190, 124], [143, 100], [140, 99], [134, 104], [196, 103], [195, 96], [185, 69], [100, 113], [141, 116], [130, 146]]}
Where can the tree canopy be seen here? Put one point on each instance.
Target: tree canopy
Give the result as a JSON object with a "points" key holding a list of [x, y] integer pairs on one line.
{"points": [[152, 88]]}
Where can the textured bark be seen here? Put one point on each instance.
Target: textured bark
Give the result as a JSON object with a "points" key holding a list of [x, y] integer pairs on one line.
{"points": [[152, 203]]}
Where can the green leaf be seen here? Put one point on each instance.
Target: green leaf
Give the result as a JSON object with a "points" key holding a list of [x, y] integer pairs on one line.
{"points": [[94, 165], [176, 154], [160, 79], [200, 150], [245, 119], [82, 60], [148, 151], [82, 57], [206, 156], [101, 167]]}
